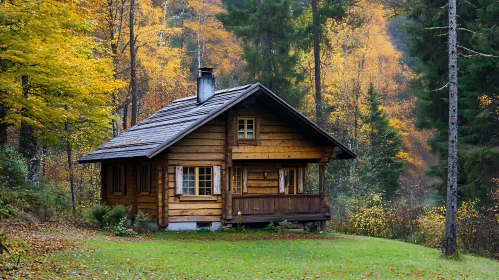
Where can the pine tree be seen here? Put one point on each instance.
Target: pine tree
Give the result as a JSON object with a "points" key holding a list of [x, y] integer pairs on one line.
{"points": [[478, 82], [266, 30], [382, 168]]}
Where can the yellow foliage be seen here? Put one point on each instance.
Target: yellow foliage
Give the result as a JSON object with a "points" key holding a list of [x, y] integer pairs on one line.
{"points": [[361, 53], [431, 226], [371, 221]]}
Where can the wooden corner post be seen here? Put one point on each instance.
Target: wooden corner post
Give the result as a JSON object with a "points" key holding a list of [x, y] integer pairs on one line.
{"points": [[164, 191], [322, 168]]}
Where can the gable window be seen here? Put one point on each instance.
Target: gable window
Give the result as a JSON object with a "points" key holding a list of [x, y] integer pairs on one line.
{"points": [[197, 181], [237, 180], [118, 182], [290, 181], [144, 181], [246, 128]]}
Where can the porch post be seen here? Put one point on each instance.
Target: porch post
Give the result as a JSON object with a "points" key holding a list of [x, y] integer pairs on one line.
{"points": [[228, 204], [322, 191], [321, 178]]}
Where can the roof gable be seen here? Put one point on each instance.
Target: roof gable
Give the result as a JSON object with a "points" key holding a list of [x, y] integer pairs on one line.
{"points": [[170, 124]]}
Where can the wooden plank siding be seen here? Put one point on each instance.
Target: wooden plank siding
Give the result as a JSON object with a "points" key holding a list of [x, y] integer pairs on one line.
{"points": [[146, 202], [275, 139], [276, 145], [205, 147]]}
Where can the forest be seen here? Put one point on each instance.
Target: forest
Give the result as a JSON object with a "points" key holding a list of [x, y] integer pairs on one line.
{"points": [[374, 74]]}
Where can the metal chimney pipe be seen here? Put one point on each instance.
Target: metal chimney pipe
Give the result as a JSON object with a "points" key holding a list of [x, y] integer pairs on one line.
{"points": [[206, 84]]}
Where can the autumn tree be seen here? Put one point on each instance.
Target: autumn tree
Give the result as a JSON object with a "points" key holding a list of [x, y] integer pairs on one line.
{"points": [[49, 63], [358, 52], [311, 35]]}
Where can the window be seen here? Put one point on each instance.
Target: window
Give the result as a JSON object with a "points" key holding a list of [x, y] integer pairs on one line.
{"points": [[290, 181], [118, 179], [246, 128], [144, 182], [197, 181], [204, 185], [237, 180]]}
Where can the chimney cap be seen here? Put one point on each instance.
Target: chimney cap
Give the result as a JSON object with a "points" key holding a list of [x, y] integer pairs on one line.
{"points": [[206, 70]]}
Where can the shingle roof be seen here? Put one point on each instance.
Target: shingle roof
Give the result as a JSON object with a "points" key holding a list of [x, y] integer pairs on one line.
{"points": [[179, 118]]}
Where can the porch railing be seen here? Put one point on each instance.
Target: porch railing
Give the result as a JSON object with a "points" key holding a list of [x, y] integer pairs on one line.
{"points": [[275, 204]]}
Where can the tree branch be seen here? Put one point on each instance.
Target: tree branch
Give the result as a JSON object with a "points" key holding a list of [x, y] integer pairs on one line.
{"points": [[477, 53], [443, 87]]}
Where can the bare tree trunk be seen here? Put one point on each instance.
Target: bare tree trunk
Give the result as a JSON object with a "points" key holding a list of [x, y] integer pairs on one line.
{"points": [[70, 166], [115, 22], [125, 116], [319, 115], [449, 240], [28, 143], [133, 72]]}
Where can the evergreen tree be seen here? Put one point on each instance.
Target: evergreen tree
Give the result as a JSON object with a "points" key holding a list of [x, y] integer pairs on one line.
{"points": [[381, 168], [478, 83], [266, 30]]}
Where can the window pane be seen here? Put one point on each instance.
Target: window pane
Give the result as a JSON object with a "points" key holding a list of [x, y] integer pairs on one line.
{"points": [[291, 177], [240, 129], [249, 135], [185, 188]]}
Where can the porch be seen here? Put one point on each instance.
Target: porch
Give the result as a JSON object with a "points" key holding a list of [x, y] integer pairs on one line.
{"points": [[275, 207]]}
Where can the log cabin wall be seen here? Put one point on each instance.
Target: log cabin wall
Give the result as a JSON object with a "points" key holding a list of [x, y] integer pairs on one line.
{"points": [[257, 184], [205, 147], [274, 138], [145, 201]]}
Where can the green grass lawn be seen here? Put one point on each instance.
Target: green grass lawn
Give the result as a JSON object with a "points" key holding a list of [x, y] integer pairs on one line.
{"points": [[204, 255]]}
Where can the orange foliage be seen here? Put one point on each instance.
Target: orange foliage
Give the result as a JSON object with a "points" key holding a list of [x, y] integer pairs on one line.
{"points": [[362, 53]]}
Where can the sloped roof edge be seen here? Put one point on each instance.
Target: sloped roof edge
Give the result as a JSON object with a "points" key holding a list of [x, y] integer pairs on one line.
{"points": [[308, 121], [215, 113], [250, 91]]}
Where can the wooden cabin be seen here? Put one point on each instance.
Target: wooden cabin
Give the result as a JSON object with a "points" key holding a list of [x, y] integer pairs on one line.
{"points": [[202, 160]]}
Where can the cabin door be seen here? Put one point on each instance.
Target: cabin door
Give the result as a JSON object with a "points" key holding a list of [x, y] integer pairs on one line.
{"points": [[290, 180]]}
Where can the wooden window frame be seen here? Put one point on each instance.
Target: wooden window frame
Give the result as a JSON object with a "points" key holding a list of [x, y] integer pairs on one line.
{"points": [[245, 119], [117, 187], [232, 181], [140, 183], [295, 180], [196, 181]]}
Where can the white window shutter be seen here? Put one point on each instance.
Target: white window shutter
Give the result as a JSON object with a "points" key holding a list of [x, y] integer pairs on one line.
{"points": [[217, 180], [300, 179], [281, 180], [245, 180], [179, 173]]}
